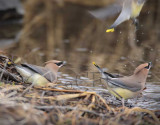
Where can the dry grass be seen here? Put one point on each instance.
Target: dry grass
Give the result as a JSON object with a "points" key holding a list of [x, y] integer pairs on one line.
{"points": [[43, 31], [22, 103], [62, 106]]}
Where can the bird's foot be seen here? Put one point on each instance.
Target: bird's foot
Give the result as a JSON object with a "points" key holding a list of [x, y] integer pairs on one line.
{"points": [[136, 23]]}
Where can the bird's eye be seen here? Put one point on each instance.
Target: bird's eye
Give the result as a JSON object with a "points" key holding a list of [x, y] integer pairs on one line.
{"points": [[59, 63], [149, 65]]}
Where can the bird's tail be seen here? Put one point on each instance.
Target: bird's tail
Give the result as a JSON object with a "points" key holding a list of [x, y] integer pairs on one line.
{"points": [[104, 74], [100, 70]]}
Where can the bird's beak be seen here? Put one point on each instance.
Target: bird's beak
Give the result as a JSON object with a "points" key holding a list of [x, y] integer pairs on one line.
{"points": [[64, 63], [149, 65]]}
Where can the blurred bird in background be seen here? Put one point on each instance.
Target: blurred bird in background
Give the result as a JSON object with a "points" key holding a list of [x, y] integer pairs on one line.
{"points": [[127, 8], [38, 75], [127, 86]]}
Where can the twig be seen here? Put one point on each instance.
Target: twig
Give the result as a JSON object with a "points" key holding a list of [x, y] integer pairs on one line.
{"points": [[27, 89], [5, 73], [59, 90], [138, 109], [67, 107]]}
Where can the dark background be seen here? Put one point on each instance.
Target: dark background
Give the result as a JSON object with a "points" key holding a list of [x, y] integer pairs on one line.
{"points": [[64, 30]]}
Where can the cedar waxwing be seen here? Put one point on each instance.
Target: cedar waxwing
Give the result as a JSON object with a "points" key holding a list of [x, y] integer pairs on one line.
{"points": [[130, 9], [40, 75], [127, 86], [127, 9]]}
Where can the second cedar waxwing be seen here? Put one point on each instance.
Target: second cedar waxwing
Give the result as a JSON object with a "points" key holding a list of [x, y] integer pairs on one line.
{"points": [[130, 9], [38, 75], [127, 86]]}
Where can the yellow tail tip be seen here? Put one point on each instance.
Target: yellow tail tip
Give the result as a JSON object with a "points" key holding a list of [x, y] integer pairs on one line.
{"points": [[9, 63], [110, 30], [93, 63]]}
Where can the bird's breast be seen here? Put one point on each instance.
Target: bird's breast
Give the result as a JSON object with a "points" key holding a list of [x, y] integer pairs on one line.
{"points": [[136, 9], [38, 80], [123, 93]]}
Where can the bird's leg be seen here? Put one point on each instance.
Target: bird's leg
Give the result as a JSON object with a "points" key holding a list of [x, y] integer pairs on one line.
{"points": [[122, 102], [136, 100], [136, 23]]}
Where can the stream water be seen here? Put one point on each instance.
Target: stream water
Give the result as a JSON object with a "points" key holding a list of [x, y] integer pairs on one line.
{"points": [[149, 99], [81, 40]]}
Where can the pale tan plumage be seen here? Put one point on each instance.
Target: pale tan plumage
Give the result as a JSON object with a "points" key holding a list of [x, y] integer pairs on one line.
{"points": [[129, 9], [128, 86], [40, 75]]}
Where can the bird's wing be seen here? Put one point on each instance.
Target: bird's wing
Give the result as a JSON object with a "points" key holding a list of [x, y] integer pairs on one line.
{"points": [[42, 71], [124, 15], [106, 12], [105, 75], [108, 74], [112, 75], [125, 82]]}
